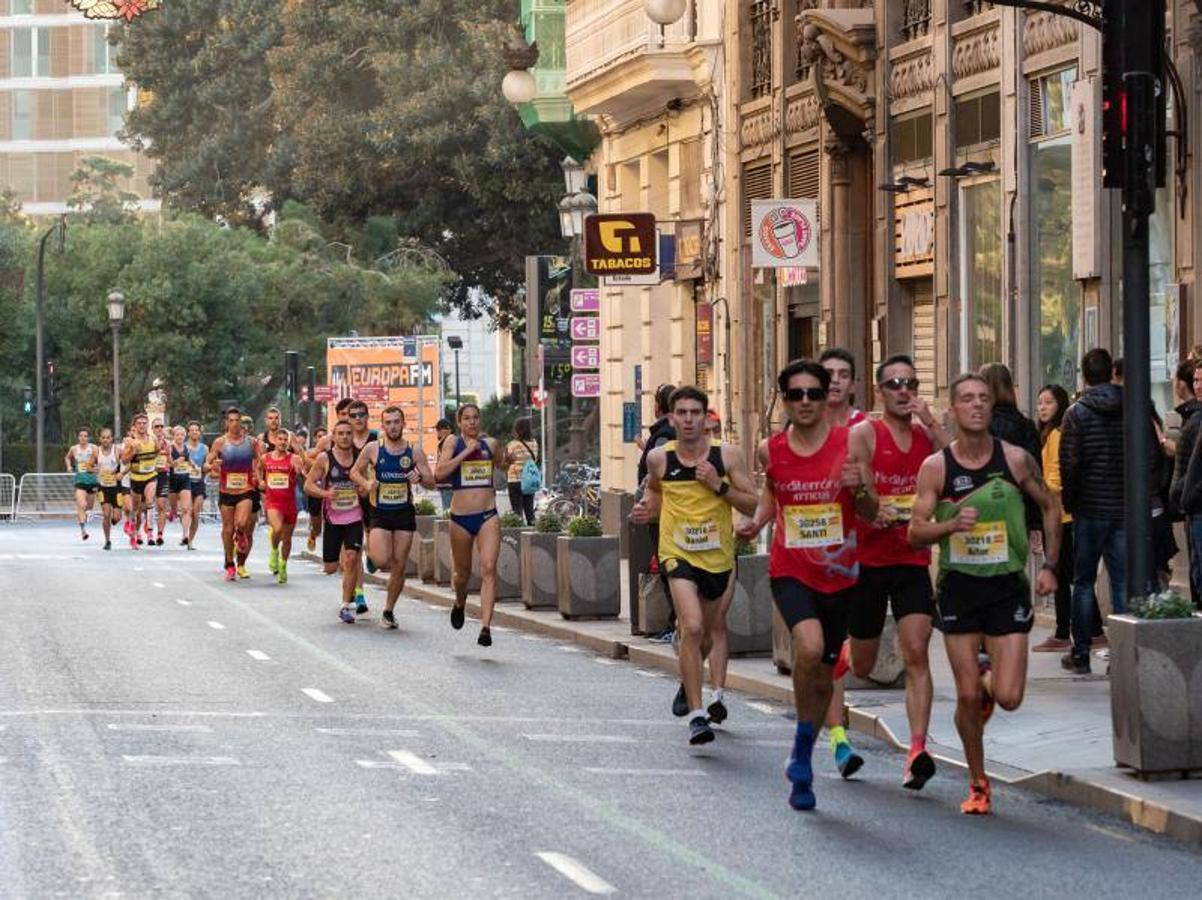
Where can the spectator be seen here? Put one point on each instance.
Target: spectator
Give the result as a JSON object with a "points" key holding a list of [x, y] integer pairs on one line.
{"points": [[1187, 405], [1092, 484], [661, 430], [444, 430], [1012, 426], [713, 426], [840, 400], [523, 447], [1189, 506]]}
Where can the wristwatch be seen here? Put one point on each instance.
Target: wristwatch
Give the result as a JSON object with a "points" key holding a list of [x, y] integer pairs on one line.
{"points": [[724, 489]]}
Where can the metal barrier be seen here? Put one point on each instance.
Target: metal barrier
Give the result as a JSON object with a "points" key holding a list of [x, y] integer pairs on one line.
{"points": [[8, 496], [46, 494]]}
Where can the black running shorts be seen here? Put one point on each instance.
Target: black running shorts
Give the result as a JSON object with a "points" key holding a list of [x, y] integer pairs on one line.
{"points": [[336, 537], [710, 585], [394, 520], [994, 606], [224, 499], [907, 589], [798, 602]]}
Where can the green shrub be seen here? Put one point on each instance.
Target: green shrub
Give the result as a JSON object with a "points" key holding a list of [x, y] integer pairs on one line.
{"points": [[548, 523], [585, 526], [512, 520], [425, 508], [1166, 605]]}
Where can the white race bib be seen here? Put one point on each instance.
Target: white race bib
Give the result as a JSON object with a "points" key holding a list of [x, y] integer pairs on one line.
{"points": [[237, 481], [476, 473], [813, 525], [277, 480], [345, 498], [985, 545], [694, 537]]}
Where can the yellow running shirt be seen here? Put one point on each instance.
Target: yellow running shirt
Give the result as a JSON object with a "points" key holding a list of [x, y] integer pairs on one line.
{"points": [[695, 524]]}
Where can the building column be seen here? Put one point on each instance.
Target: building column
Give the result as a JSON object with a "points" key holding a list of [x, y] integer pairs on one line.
{"points": [[842, 328]]}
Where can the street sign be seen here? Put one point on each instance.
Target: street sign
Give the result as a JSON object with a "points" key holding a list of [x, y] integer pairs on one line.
{"points": [[620, 243], [538, 399], [630, 422], [325, 393], [587, 384], [585, 328], [784, 233], [664, 268], [585, 300], [409, 348], [586, 356]]}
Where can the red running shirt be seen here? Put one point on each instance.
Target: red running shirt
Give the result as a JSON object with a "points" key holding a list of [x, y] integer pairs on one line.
{"points": [[279, 492], [895, 476], [815, 535]]}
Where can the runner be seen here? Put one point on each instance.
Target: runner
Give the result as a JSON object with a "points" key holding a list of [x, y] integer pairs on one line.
{"points": [[81, 459], [314, 503], [162, 465], [814, 488], [467, 463], [842, 367], [198, 451], [108, 476], [267, 439], [974, 489], [279, 472], [180, 494], [233, 457], [397, 469], [141, 452], [361, 436], [892, 573], [342, 535], [692, 484]]}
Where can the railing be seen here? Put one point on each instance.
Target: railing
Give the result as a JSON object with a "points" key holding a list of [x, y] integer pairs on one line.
{"points": [[761, 47], [601, 32], [45, 494], [975, 7], [916, 19], [8, 496]]}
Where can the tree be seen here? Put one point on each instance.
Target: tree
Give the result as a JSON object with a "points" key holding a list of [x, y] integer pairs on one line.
{"points": [[98, 195]]}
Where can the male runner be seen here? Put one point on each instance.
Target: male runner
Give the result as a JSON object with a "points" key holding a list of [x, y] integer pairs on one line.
{"points": [[162, 465], [973, 489], [361, 436], [342, 535], [81, 459], [692, 483], [467, 464], [108, 472], [180, 495], [233, 456], [314, 503], [397, 469], [814, 488], [279, 472], [140, 451], [892, 573], [198, 452]]}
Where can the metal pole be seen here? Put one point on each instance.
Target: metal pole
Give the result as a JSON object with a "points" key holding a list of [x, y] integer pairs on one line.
{"points": [[40, 358], [421, 395], [312, 399], [117, 433], [458, 394]]}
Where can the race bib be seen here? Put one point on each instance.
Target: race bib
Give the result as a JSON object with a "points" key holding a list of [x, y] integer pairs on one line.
{"points": [[813, 525], [345, 498], [277, 480], [182, 466], [108, 479], [901, 506], [476, 473], [985, 545], [160, 461], [237, 481], [394, 492], [144, 466], [694, 537]]}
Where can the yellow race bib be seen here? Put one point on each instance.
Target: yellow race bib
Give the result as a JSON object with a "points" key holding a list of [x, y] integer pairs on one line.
{"points": [[183, 466], [108, 479], [695, 537], [237, 481], [144, 466], [476, 473], [987, 544], [393, 492], [277, 480], [160, 461], [901, 506], [813, 525], [345, 498]]}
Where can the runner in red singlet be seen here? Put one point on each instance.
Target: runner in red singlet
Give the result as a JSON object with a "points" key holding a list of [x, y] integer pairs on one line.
{"points": [[279, 472]]}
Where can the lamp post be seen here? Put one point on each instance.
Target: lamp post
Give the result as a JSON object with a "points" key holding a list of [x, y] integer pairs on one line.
{"points": [[455, 342], [576, 206], [59, 228], [116, 304]]}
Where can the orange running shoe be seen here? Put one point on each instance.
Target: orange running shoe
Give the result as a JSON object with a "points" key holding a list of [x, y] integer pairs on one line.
{"points": [[979, 799], [843, 663], [986, 669]]}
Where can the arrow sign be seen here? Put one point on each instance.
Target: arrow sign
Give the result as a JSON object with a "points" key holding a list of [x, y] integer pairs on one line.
{"points": [[586, 385], [586, 356], [585, 328], [585, 300]]}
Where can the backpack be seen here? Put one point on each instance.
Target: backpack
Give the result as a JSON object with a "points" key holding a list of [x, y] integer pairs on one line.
{"points": [[532, 476]]}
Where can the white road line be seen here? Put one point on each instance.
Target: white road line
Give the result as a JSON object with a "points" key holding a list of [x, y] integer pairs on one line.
{"points": [[413, 762], [766, 708], [315, 694], [602, 661], [158, 584], [216, 626], [566, 649], [582, 738], [577, 873], [647, 673], [368, 732], [136, 726], [1117, 835], [183, 602], [258, 654], [599, 770], [181, 760]]}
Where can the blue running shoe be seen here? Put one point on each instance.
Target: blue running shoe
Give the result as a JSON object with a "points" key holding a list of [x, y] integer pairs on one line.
{"points": [[801, 797], [360, 605], [799, 770], [346, 615], [847, 760], [371, 567]]}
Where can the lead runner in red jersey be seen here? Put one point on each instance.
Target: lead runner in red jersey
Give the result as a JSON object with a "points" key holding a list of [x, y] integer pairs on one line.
{"points": [[814, 490], [279, 472], [892, 572]]}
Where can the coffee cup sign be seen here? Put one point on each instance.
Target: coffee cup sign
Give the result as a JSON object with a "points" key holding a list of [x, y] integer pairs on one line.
{"points": [[785, 233]]}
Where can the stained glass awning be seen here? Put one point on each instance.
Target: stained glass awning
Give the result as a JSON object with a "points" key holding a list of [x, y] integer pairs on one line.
{"points": [[115, 9]]}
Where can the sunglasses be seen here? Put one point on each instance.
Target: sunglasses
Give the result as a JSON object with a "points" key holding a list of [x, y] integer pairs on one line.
{"points": [[896, 384], [357, 415], [796, 395]]}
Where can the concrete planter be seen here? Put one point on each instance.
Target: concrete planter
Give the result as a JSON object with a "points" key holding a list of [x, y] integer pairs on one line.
{"points": [[590, 583], [1156, 704], [641, 547], [540, 585], [444, 566], [424, 548], [655, 606], [413, 567], [509, 565], [615, 512], [749, 622]]}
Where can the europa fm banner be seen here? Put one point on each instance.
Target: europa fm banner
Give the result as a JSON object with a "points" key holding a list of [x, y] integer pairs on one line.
{"points": [[382, 371]]}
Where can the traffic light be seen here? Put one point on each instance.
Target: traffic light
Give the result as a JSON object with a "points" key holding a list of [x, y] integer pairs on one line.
{"points": [[291, 376], [27, 400], [1133, 42]]}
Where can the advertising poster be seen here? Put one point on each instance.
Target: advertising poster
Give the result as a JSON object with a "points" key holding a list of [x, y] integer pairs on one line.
{"points": [[784, 233]]}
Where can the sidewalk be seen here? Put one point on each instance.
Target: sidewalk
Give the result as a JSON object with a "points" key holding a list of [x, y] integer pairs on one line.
{"points": [[1057, 743]]}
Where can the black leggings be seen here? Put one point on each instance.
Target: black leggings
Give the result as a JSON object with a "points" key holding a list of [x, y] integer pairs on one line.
{"points": [[521, 502]]}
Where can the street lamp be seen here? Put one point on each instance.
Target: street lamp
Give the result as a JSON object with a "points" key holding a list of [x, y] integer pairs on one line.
{"points": [[665, 12], [116, 304], [455, 342], [573, 210], [519, 85]]}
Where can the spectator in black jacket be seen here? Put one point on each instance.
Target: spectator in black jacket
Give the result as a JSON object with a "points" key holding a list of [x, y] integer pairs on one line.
{"points": [[1013, 427], [1189, 506]]}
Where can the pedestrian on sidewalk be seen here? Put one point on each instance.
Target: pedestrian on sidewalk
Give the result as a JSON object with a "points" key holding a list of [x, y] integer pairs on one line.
{"points": [[1190, 508], [1010, 425], [444, 429], [522, 449]]}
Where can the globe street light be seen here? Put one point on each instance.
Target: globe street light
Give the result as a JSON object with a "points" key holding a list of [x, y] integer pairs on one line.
{"points": [[665, 12], [519, 85], [116, 304]]}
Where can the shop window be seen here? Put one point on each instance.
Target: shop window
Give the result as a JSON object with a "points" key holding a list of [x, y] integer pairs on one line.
{"points": [[978, 120], [1051, 262], [912, 139], [981, 272]]}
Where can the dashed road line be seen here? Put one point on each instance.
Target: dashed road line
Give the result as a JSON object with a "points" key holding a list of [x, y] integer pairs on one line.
{"points": [[766, 708], [216, 626], [258, 654], [602, 661], [180, 760], [412, 762], [158, 584], [582, 738], [140, 726], [369, 732], [649, 673], [577, 873], [316, 695], [182, 602]]}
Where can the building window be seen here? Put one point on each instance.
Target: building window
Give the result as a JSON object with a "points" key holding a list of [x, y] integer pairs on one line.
{"points": [[102, 51], [761, 48], [978, 120], [981, 272], [22, 7], [30, 52], [916, 19], [22, 115], [118, 104], [912, 139], [1051, 103], [1051, 262]]}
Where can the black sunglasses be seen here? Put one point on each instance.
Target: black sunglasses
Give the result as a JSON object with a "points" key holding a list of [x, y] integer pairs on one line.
{"points": [[897, 383], [358, 415], [796, 395]]}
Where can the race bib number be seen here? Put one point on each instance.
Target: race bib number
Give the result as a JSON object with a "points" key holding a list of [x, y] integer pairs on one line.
{"points": [[476, 473], [108, 479], [237, 481], [160, 461], [899, 507], [144, 466], [985, 545], [813, 525], [393, 492], [345, 498], [277, 480], [182, 466], [694, 537]]}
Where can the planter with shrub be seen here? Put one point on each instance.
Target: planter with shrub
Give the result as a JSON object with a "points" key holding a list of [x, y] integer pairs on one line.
{"points": [[589, 570], [540, 589]]}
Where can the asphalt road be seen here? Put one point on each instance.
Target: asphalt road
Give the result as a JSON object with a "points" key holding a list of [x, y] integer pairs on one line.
{"points": [[163, 733]]}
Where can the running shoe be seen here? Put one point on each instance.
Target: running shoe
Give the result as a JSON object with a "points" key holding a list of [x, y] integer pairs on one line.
{"points": [[361, 605], [346, 615], [281, 573], [387, 619], [108, 545], [680, 704], [190, 547], [458, 614], [979, 800], [243, 574], [312, 545], [273, 560], [700, 731], [485, 638], [230, 573], [986, 669], [371, 567], [717, 712], [139, 541], [920, 768], [83, 535], [847, 761], [801, 796], [158, 541]]}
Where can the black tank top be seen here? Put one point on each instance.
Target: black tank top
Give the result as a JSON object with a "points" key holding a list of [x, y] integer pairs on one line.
{"points": [[960, 481]]}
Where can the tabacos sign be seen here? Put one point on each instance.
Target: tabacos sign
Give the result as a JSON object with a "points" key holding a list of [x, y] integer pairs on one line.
{"points": [[620, 244]]}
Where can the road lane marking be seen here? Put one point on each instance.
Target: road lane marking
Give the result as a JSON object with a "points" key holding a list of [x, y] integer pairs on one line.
{"points": [[183, 602], [577, 873], [258, 654], [158, 584], [600, 770], [566, 649], [412, 762], [369, 732], [315, 694], [180, 760], [766, 708], [602, 661], [1118, 836], [583, 738], [216, 626], [138, 726], [648, 673]]}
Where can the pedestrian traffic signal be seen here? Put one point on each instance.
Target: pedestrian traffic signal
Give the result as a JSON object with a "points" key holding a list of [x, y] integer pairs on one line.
{"points": [[1133, 44], [27, 400], [291, 376]]}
